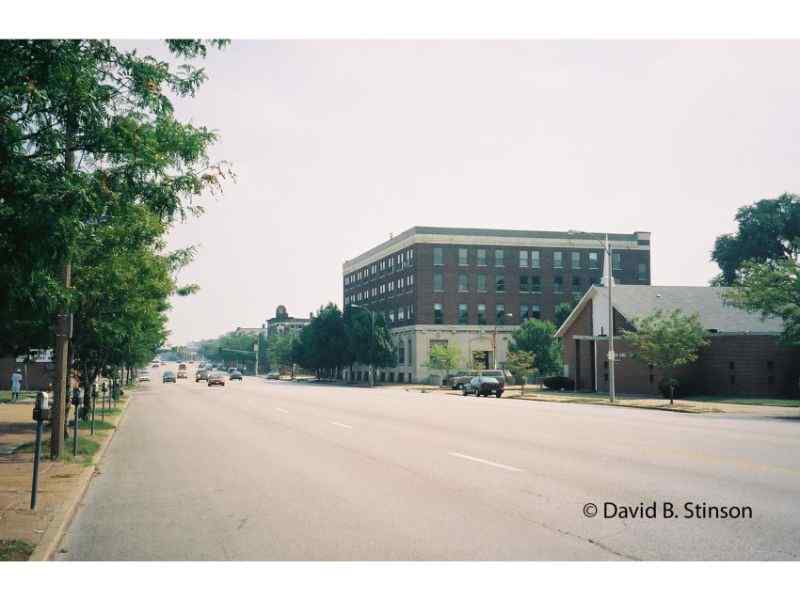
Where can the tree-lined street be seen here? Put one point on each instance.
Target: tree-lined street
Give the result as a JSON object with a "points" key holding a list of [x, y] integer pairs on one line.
{"points": [[279, 470]]}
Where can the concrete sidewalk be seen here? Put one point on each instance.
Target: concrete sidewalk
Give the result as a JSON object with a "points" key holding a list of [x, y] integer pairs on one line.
{"points": [[61, 483]]}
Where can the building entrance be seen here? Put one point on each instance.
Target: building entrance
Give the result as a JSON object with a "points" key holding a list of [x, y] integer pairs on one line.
{"points": [[480, 359]]}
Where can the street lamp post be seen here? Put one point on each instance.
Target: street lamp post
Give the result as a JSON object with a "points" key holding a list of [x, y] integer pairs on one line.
{"points": [[371, 340]]}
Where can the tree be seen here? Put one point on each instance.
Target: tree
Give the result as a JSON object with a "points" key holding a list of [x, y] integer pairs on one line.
{"points": [[537, 336], [521, 365], [563, 310], [772, 289], [368, 342], [667, 341], [86, 128], [279, 350], [444, 357], [768, 230]]}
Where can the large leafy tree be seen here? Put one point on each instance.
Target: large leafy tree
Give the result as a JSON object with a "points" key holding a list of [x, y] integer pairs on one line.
{"points": [[772, 289], [563, 310], [86, 130], [368, 341], [444, 358], [667, 341], [768, 231], [536, 336], [279, 351]]}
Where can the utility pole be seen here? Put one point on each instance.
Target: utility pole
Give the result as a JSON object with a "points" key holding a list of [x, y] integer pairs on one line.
{"points": [[611, 356]]}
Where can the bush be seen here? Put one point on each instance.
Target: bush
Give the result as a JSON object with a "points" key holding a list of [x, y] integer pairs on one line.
{"points": [[558, 383], [681, 389]]}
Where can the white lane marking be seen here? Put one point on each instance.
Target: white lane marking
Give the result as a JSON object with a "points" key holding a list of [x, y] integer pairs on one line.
{"points": [[486, 462], [283, 410], [341, 424]]}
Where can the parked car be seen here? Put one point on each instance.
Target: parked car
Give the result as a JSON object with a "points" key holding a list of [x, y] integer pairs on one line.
{"points": [[458, 380], [201, 375], [483, 386], [500, 375], [273, 375], [235, 374], [155, 365], [144, 377], [169, 377], [216, 378], [182, 375], [182, 367]]}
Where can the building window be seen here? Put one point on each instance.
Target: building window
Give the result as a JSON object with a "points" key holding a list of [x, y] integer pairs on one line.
{"points": [[523, 312], [642, 272], [594, 260], [500, 314], [576, 260], [463, 314], [732, 365], [770, 365], [576, 283], [463, 284], [558, 284], [463, 259], [481, 282], [616, 261], [499, 284], [481, 314], [438, 282], [524, 284], [558, 260], [410, 312], [536, 284], [438, 257], [481, 257], [523, 258], [536, 311], [499, 260], [535, 259], [391, 317], [400, 284], [408, 354], [401, 354], [438, 314], [401, 314]]}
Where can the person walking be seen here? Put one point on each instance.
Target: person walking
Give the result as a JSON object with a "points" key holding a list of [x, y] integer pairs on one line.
{"points": [[16, 385]]}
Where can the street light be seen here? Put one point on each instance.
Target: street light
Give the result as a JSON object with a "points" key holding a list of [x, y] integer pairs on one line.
{"points": [[371, 340], [494, 339]]}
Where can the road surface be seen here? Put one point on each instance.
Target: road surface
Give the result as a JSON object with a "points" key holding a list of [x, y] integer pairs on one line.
{"points": [[267, 470]]}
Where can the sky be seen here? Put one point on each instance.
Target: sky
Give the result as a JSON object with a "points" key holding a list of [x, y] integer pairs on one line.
{"points": [[339, 144]]}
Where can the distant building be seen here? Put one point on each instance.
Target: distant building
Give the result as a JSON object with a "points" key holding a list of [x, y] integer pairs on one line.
{"points": [[282, 323], [248, 330], [745, 355], [472, 288]]}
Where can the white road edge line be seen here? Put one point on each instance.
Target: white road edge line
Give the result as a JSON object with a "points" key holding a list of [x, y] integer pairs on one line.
{"points": [[283, 410], [341, 424], [486, 462]]}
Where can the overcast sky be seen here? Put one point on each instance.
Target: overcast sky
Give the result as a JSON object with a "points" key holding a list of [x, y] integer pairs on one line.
{"points": [[338, 144]]}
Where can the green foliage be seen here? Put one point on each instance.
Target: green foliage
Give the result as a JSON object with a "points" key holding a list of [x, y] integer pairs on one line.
{"points": [[521, 365], [563, 310], [536, 336], [95, 167], [279, 351], [666, 341], [772, 289], [230, 347], [444, 357], [368, 343], [769, 230]]}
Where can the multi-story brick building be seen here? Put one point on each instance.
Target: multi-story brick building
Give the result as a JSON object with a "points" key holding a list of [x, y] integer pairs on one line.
{"points": [[473, 287]]}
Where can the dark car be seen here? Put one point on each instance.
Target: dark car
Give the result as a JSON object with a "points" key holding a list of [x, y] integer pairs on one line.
{"points": [[169, 377], [483, 386], [499, 374], [235, 374], [216, 378], [201, 375], [460, 379]]}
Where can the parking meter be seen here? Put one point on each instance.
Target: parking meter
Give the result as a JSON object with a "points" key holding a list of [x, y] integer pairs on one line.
{"points": [[76, 400], [41, 413]]}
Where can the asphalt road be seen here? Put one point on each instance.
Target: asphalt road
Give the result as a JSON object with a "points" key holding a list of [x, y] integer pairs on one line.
{"points": [[268, 470]]}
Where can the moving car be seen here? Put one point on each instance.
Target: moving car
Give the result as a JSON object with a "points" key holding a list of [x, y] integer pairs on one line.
{"points": [[483, 386], [144, 377], [216, 378], [182, 375], [169, 377], [201, 375], [235, 374]]}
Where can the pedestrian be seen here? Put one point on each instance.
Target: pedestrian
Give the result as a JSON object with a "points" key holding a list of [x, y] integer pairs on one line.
{"points": [[16, 384]]}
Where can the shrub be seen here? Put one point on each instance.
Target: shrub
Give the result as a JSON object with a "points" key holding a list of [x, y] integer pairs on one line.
{"points": [[558, 383], [681, 389]]}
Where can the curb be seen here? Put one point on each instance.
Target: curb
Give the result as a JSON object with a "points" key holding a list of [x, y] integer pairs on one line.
{"points": [[63, 517]]}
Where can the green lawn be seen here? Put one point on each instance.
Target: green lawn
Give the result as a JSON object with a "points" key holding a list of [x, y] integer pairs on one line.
{"points": [[5, 396], [86, 449], [15, 550], [782, 402]]}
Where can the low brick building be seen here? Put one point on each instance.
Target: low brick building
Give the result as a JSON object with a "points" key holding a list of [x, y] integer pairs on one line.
{"points": [[745, 355]]}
